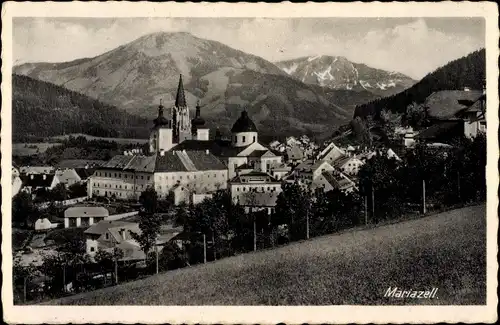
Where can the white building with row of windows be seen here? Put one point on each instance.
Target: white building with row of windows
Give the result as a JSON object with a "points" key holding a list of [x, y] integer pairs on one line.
{"points": [[182, 164]]}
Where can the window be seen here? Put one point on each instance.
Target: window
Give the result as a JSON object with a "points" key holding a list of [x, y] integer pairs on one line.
{"points": [[92, 249], [149, 177], [107, 236], [254, 138], [115, 175], [120, 175], [235, 139], [126, 175], [243, 140], [180, 177]]}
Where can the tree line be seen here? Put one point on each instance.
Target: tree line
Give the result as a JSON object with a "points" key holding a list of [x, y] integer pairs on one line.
{"points": [[469, 71], [42, 109]]}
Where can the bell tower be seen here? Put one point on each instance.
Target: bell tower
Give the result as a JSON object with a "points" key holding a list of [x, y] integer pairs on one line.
{"points": [[160, 138]]}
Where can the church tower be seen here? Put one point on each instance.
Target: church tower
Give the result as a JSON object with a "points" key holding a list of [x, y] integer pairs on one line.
{"points": [[198, 129], [180, 116], [160, 138]]}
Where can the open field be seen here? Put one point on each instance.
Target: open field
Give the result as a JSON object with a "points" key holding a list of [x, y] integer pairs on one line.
{"points": [[28, 149], [91, 137], [445, 251]]}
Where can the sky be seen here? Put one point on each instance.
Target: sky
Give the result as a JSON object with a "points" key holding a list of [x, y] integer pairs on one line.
{"points": [[413, 46]]}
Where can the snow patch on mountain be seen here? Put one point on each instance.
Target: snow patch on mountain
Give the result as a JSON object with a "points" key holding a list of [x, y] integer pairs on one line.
{"points": [[312, 58], [291, 69]]}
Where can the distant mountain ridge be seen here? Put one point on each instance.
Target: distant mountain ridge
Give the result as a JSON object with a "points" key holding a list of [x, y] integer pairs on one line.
{"points": [[135, 76], [465, 72], [41, 109], [337, 72]]}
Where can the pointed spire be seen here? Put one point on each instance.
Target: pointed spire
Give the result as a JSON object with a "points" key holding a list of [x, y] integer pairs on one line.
{"points": [[180, 99]]}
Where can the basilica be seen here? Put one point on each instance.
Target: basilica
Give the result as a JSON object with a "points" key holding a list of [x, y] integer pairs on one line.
{"points": [[184, 162]]}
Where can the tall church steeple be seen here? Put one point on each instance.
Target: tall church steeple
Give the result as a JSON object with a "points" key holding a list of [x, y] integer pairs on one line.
{"points": [[180, 116], [180, 99]]}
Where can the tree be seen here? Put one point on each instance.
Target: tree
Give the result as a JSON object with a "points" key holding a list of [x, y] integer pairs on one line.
{"points": [[149, 200], [292, 207], [23, 210], [150, 221], [381, 181], [78, 190], [416, 115], [59, 193], [389, 121], [23, 275]]}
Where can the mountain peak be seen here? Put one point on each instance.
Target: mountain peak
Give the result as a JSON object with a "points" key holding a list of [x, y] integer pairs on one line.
{"points": [[337, 72]]}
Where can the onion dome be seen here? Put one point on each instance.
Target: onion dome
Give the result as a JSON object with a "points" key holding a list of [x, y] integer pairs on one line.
{"points": [[161, 120], [244, 124], [198, 120]]}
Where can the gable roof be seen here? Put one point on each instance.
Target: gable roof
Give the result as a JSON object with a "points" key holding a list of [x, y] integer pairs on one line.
{"points": [[80, 163], [182, 161], [337, 180], [66, 175], [344, 160], [84, 173], [75, 212], [37, 180], [447, 103], [445, 128], [102, 226], [144, 164]]}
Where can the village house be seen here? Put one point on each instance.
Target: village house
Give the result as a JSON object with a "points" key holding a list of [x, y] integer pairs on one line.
{"points": [[33, 182], [348, 165], [28, 170], [84, 216], [330, 180], [107, 235], [45, 224], [294, 154], [17, 183], [255, 190], [309, 170], [454, 114], [331, 153], [280, 171], [68, 176]]}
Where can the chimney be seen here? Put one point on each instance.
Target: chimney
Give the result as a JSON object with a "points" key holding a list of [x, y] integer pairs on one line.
{"points": [[466, 89], [44, 177], [31, 176], [162, 153], [207, 152], [123, 233]]}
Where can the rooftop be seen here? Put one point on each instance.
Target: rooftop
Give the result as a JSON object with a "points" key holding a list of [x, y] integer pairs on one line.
{"points": [[447, 103], [75, 212], [37, 180]]}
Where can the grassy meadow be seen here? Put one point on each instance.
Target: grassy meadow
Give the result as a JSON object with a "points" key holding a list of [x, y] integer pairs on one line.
{"points": [[91, 137], [445, 251], [29, 149]]}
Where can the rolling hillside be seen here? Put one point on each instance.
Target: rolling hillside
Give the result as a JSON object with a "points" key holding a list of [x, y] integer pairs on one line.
{"points": [[445, 251], [469, 71], [137, 75], [41, 109], [337, 72]]}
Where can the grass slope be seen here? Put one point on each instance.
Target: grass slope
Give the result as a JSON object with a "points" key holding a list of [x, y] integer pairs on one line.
{"points": [[446, 251]]}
